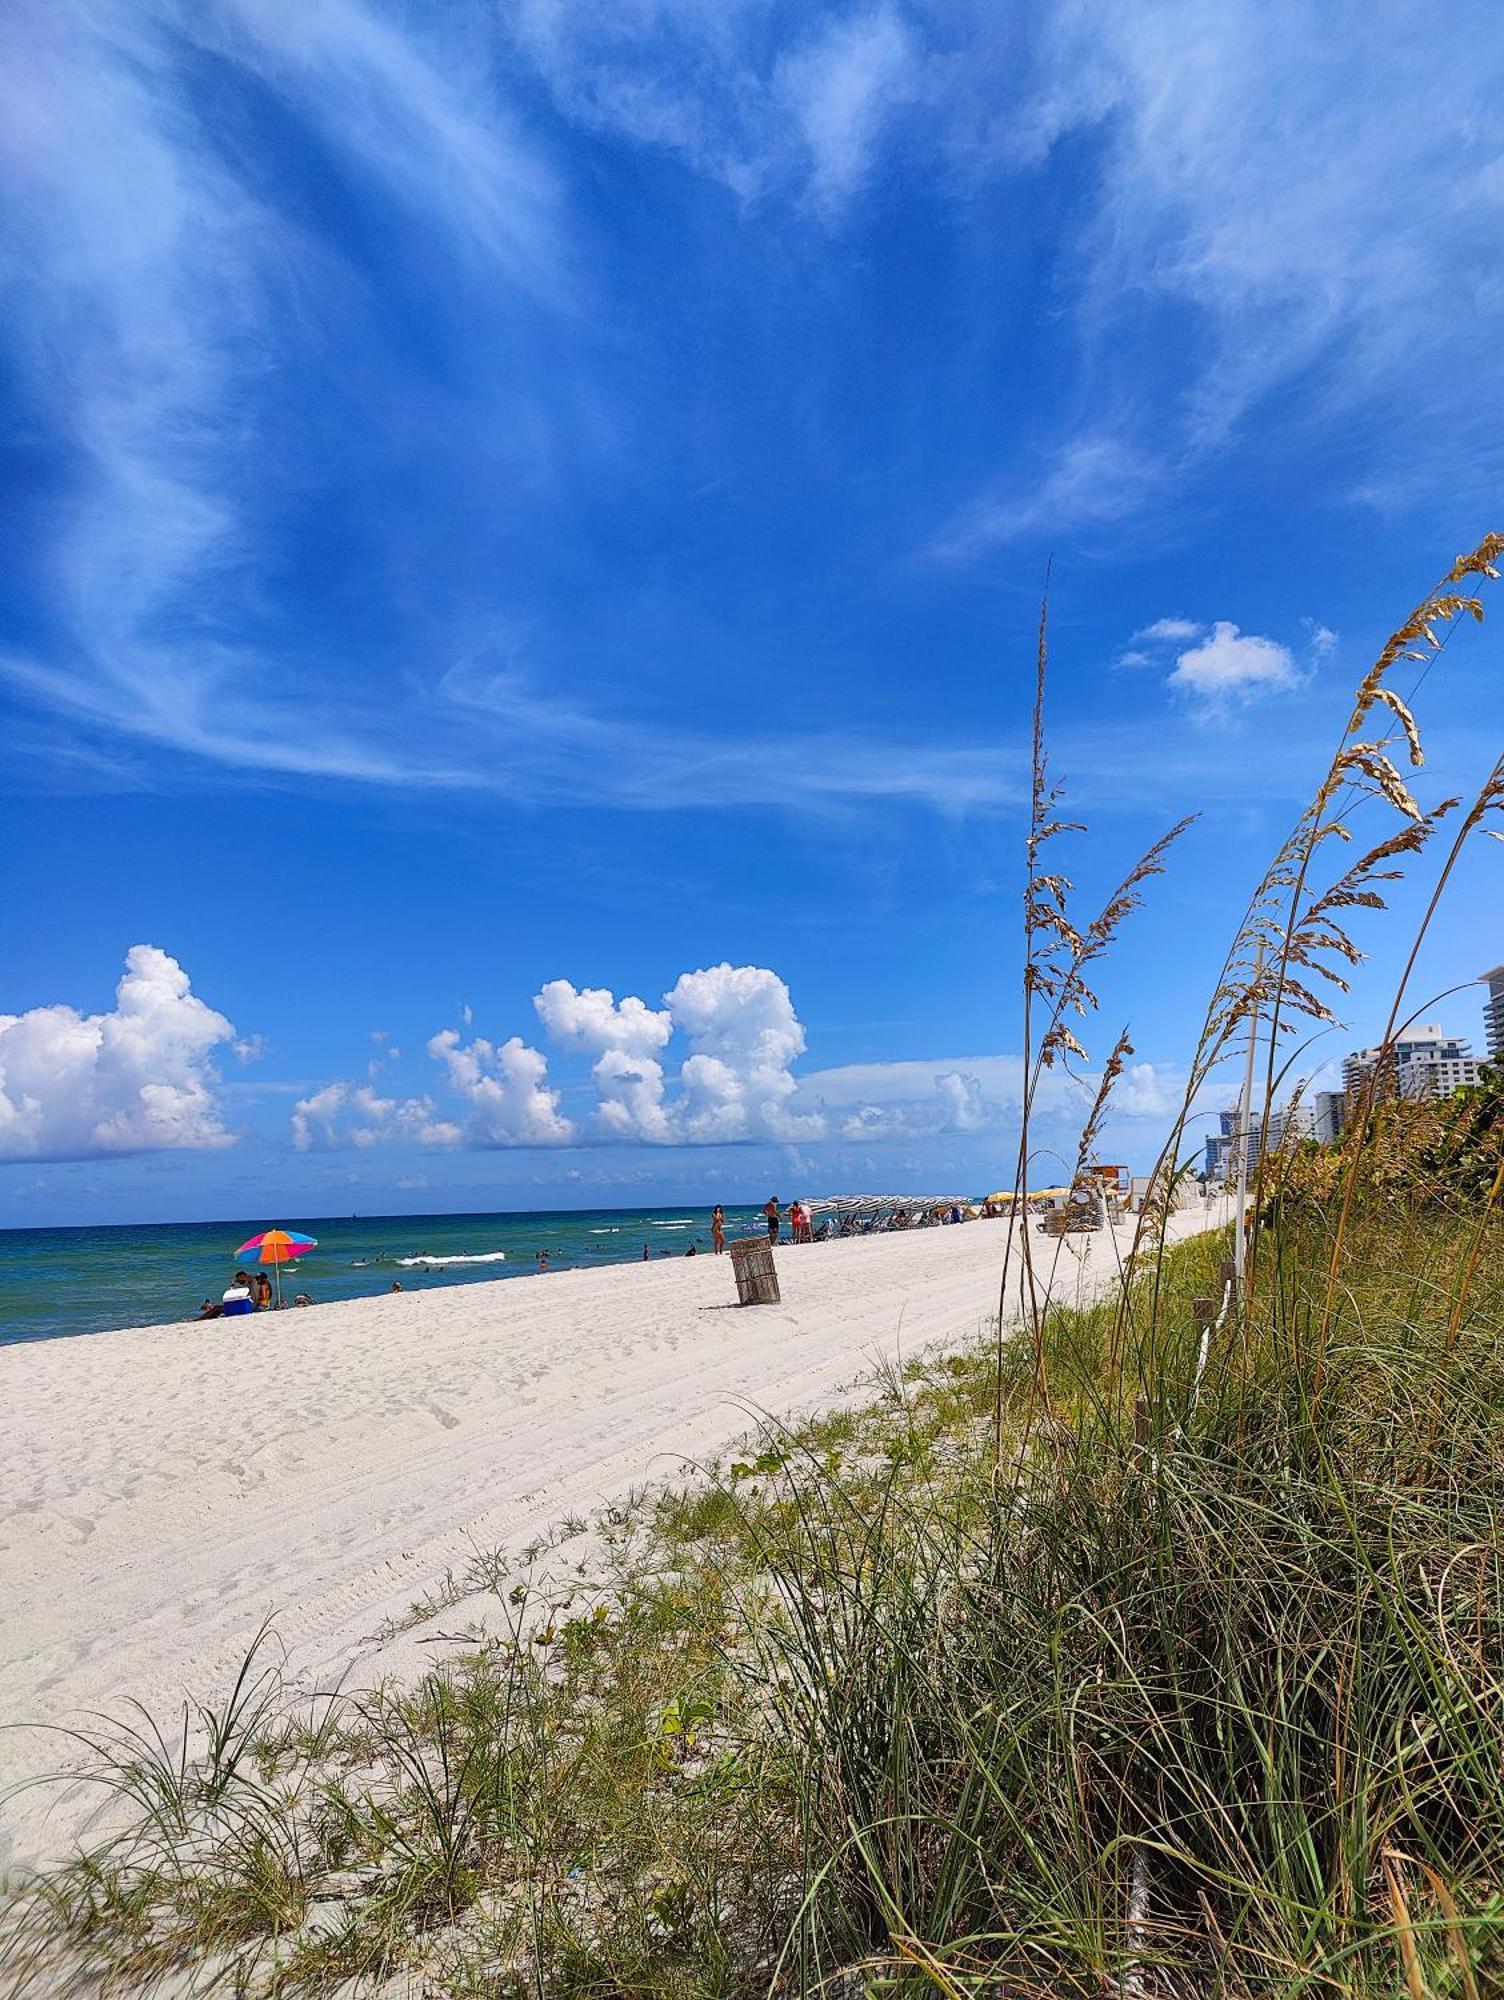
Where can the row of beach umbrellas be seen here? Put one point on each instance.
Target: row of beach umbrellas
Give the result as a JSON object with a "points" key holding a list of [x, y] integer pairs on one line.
{"points": [[880, 1204]]}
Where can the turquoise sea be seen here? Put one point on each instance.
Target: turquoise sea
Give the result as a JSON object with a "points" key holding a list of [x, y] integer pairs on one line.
{"points": [[65, 1281]]}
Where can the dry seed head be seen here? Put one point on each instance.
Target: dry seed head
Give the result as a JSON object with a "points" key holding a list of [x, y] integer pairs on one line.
{"points": [[1480, 562], [1055, 826], [1369, 758], [1489, 799], [1121, 1050], [1060, 1038], [1406, 720]]}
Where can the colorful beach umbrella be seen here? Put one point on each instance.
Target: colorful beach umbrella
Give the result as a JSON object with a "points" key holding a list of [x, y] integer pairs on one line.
{"points": [[278, 1247]]}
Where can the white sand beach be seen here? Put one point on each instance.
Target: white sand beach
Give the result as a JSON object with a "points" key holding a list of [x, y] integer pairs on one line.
{"points": [[163, 1490]]}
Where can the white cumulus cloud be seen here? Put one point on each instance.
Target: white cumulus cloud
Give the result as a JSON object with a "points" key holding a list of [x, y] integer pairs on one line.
{"points": [[741, 1037], [715, 1065], [139, 1079], [355, 1114], [631, 1098], [1233, 667], [744, 1035], [506, 1090], [589, 1018]]}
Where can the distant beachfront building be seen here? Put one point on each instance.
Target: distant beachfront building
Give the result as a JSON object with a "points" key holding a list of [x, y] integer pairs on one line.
{"points": [[1426, 1062], [1294, 1122], [1493, 1014], [1221, 1146], [1318, 1117], [1327, 1108]]}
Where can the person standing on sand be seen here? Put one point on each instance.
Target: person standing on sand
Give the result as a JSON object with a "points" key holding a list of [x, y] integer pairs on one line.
{"points": [[775, 1220], [718, 1228]]}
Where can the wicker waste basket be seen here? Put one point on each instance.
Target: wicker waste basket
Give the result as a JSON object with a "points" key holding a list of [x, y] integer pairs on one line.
{"points": [[756, 1273], [1073, 1217]]}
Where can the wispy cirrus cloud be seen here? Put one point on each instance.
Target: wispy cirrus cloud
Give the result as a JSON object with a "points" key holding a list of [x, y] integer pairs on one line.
{"points": [[158, 285], [1168, 631], [770, 113], [1088, 481], [841, 87], [1263, 220], [416, 251], [168, 289], [416, 110]]}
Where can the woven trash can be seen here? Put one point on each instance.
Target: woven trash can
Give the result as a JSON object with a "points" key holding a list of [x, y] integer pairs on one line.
{"points": [[756, 1273]]}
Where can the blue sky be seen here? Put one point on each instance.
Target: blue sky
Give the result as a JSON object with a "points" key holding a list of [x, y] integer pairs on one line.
{"points": [[508, 494]]}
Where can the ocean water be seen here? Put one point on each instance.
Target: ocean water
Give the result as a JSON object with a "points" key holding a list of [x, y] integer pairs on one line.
{"points": [[67, 1281]]}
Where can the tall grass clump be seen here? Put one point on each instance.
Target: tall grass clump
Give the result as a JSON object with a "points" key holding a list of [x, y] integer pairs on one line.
{"points": [[1149, 1648]]}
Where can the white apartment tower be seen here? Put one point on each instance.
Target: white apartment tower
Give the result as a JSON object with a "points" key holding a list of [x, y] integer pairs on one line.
{"points": [[1493, 1014], [1425, 1062]]}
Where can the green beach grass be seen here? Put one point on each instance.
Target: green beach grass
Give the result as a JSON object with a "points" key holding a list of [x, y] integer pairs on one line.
{"points": [[1155, 1648], [1215, 1708]]}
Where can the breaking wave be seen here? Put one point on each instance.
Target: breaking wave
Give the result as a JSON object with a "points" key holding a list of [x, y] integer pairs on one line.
{"points": [[486, 1257]]}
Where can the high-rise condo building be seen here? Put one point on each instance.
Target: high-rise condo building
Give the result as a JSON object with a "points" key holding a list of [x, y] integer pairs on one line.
{"points": [[1493, 1015], [1425, 1062]]}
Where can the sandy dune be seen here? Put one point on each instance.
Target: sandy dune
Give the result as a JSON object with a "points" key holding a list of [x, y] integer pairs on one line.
{"points": [[163, 1490]]}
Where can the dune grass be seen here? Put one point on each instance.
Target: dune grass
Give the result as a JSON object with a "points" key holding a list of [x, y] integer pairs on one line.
{"points": [[1192, 1702], [1154, 1648]]}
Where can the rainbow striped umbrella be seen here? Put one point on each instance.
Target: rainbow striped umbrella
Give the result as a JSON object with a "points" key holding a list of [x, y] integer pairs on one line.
{"points": [[279, 1247]]}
